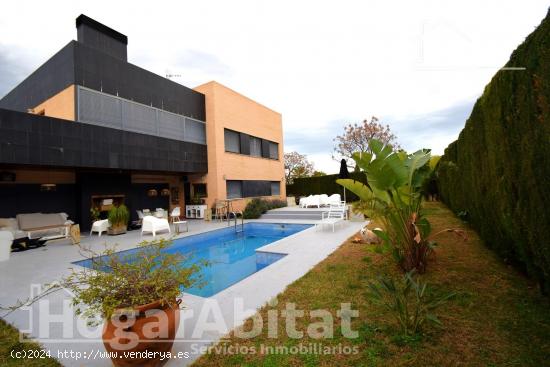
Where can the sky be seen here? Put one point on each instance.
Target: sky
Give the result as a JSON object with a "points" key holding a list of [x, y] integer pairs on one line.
{"points": [[418, 66]]}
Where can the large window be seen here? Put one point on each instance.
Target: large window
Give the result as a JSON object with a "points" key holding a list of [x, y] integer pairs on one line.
{"points": [[255, 146], [273, 150], [234, 189], [236, 142], [275, 188], [232, 141]]}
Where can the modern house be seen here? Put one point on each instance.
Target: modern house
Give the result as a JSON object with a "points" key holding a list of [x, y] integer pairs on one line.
{"points": [[88, 125]]}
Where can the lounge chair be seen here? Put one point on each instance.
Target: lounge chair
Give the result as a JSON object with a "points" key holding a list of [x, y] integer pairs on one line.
{"points": [[335, 215], [154, 225], [311, 200], [45, 225], [100, 226], [334, 199]]}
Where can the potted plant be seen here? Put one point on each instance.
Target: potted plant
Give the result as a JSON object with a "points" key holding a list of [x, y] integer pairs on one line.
{"points": [[118, 219], [94, 213], [135, 296]]}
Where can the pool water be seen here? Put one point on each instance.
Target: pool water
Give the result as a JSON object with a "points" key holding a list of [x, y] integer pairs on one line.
{"points": [[232, 255]]}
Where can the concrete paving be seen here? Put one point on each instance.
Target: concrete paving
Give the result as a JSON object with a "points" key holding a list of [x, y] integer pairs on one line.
{"points": [[64, 333]]}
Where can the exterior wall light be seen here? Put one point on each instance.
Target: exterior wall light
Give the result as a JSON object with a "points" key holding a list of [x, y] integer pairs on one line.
{"points": [[48, 187], [152, 193]]}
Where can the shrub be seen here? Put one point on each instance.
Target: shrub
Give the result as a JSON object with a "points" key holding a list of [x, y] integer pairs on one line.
{"points": [[258, 206], [306, 186], [498, 170], [393, 194], [408, 301]]}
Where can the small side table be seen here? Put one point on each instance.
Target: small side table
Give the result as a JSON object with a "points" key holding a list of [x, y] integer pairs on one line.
{"points": [[177, 225]]}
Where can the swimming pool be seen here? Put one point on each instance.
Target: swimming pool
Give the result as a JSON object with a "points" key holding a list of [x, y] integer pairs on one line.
{"points": [[232, 255]]}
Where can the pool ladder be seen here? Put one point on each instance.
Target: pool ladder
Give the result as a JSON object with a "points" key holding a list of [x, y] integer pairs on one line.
{"points": [[235, 216]]}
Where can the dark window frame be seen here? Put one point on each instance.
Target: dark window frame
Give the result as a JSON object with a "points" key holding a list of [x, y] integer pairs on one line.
{"points": [[243, 138], [225, 133]]}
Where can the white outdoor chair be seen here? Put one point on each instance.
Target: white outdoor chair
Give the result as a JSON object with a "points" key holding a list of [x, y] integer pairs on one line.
{"points": [[324, 200], [100, 226], [175, 214], [335, 215], [311, 200], [334, 199], [154, 225]]}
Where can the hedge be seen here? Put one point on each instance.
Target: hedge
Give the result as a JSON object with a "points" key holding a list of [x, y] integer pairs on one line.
{"points": [[497, 174], [323, 185]]}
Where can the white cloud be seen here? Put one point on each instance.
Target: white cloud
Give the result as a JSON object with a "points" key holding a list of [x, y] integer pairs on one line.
{"points": [[319, 63]]}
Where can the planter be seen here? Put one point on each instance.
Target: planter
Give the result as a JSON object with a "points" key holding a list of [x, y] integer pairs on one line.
{"points": [[113, 231], [152, 329]]}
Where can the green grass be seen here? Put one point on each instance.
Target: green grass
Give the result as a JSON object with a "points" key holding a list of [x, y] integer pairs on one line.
{"points": [[497, 319], [10, 344]]}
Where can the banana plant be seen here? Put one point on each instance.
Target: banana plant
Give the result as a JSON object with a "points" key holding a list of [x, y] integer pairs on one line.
{"points": [[393, 194]]}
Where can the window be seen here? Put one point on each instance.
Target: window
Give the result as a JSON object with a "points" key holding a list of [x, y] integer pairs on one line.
{"points": [[232, 141], [255, 146], [275, 188], [273, 150], [199, 189], [234, 189]]}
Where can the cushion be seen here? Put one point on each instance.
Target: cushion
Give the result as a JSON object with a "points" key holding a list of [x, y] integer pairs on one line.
{"points": [[37, 220], [9, 223]]}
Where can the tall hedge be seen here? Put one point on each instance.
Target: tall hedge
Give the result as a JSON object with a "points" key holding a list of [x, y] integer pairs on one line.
{"points": [[498, 171], [323, 185]]}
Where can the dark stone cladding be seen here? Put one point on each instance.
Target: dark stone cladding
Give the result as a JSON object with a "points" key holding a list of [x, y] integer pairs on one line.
{"points": [[83, 65], [84, 20], [28, 139]]}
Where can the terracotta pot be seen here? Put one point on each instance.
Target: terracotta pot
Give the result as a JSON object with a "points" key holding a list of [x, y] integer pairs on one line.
{"points": [[148, 328]]}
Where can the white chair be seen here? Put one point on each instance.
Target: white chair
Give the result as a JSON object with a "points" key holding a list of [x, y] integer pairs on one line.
{"points": [[323, 200], [334, 199], [311, 200], [154, 225], [140, 217], [100, 226], [175, 214], [335, 215]]}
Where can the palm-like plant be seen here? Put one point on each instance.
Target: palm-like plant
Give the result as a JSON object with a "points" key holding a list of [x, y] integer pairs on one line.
{"points": [[393, 194], [408, 301]]}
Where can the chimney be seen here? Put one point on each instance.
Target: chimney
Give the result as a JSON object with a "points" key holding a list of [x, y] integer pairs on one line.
{"points": [[94, 34]]}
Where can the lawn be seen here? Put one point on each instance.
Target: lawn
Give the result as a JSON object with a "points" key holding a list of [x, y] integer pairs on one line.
{"points": [[10, 344], [497, 318]]}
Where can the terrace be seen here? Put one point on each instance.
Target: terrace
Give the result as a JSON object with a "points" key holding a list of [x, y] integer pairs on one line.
{"points": [[43, 265]]}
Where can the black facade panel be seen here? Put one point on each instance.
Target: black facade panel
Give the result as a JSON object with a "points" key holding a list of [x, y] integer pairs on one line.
{"points": [[28, 198], [100, 71], [80, 64], [46, 141], [253, 188], [245, 143], [101, 37], [49, 79]]}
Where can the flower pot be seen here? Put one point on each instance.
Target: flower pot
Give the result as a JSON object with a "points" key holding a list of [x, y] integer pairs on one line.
{"points": [[143, 330], [113, 231]]}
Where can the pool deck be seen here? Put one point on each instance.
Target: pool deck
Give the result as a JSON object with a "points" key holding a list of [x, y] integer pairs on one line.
{"points": [[305, 249]]}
